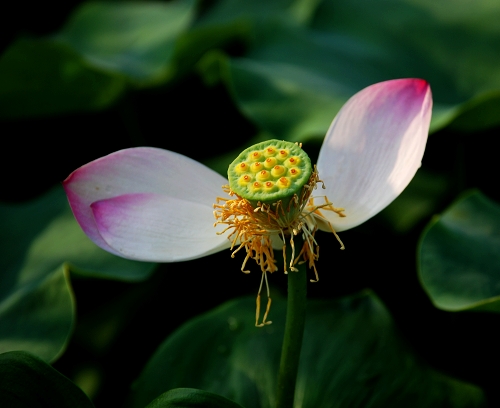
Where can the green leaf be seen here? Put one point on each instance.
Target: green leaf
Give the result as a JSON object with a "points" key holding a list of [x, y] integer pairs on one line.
{"points": [[233, 22], [191, 398], [133, 39], [254, 12], [41, 77], [27, 382], [351, 354], [88, 65], [459, 258], [294, 79], [41, 243], [38, 316]]}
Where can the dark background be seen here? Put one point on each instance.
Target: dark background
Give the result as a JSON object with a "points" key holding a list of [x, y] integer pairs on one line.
{"points": [[40, 153]]}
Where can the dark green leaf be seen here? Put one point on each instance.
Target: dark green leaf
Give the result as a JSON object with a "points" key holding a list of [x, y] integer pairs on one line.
{"points": [[459, 257], [28, 382], [41, 77], [41, 243], [88, 64], [133, 39], [351, 354], [191, 398], [253, 12], [294, 79], [38, 316], [230, 22]]}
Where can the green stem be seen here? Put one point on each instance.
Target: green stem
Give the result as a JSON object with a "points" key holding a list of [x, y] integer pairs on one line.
{"points": [[294, 330]]}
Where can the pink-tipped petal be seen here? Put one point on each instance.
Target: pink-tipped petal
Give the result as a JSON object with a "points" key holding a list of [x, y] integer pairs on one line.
{"points": [[374, 147], [134, 171], [158, 228]]}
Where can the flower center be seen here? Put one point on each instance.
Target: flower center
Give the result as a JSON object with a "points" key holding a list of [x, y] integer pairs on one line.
{"points": [[269, 172], [272, 183]]}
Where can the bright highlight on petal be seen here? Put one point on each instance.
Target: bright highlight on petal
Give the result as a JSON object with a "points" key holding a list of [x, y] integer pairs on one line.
{"points": [[146, 218], [137, 171], [374, 147]]}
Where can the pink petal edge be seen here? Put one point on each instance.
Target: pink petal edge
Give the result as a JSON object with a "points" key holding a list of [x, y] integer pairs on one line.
{"points": [[374, 147], [136, 171], [157, 228]]}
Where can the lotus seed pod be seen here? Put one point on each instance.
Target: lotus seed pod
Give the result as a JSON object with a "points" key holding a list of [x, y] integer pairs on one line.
{"points": [[269, 172]]}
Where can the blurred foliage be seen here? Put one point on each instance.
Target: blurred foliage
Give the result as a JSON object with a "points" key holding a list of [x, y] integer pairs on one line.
{"points": [[351, 356], [136, 40], [83, 79], [308, 57], [459, 258], [41, 244], [26, 382], [192, 398], [40, 77]]}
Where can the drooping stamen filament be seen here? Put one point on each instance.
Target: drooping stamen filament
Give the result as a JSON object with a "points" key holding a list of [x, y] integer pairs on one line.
{"points": [[278, 204]]}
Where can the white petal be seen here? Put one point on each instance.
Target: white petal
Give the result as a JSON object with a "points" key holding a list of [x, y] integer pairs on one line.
{"points": [[276, 242], [135, 171], [158, 228], [374, 147]]}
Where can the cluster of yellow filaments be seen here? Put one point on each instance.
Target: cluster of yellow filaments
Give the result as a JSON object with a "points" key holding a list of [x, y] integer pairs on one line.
{"points": [[281, 171]]}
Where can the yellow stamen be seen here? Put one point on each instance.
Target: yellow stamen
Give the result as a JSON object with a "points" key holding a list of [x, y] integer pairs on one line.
{"points": [[251, 227], [268, 307], [266, 172]]}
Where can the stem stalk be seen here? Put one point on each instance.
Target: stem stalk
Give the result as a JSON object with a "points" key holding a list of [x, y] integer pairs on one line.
{"points": [[294, 331]]}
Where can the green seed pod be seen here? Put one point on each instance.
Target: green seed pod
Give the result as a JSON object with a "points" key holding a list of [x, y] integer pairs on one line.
{"points": [[269, 172]]}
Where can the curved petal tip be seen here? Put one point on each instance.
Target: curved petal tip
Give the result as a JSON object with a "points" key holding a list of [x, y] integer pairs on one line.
{"points": [[143, 172], [374, 147]]}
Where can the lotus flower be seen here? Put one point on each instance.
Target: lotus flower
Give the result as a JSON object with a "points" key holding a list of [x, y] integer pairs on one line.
{"points": [[155, 205]]}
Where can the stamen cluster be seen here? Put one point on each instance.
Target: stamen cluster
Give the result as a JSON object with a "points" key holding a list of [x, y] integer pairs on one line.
{"points": [[255, 227], [257, 218]]}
